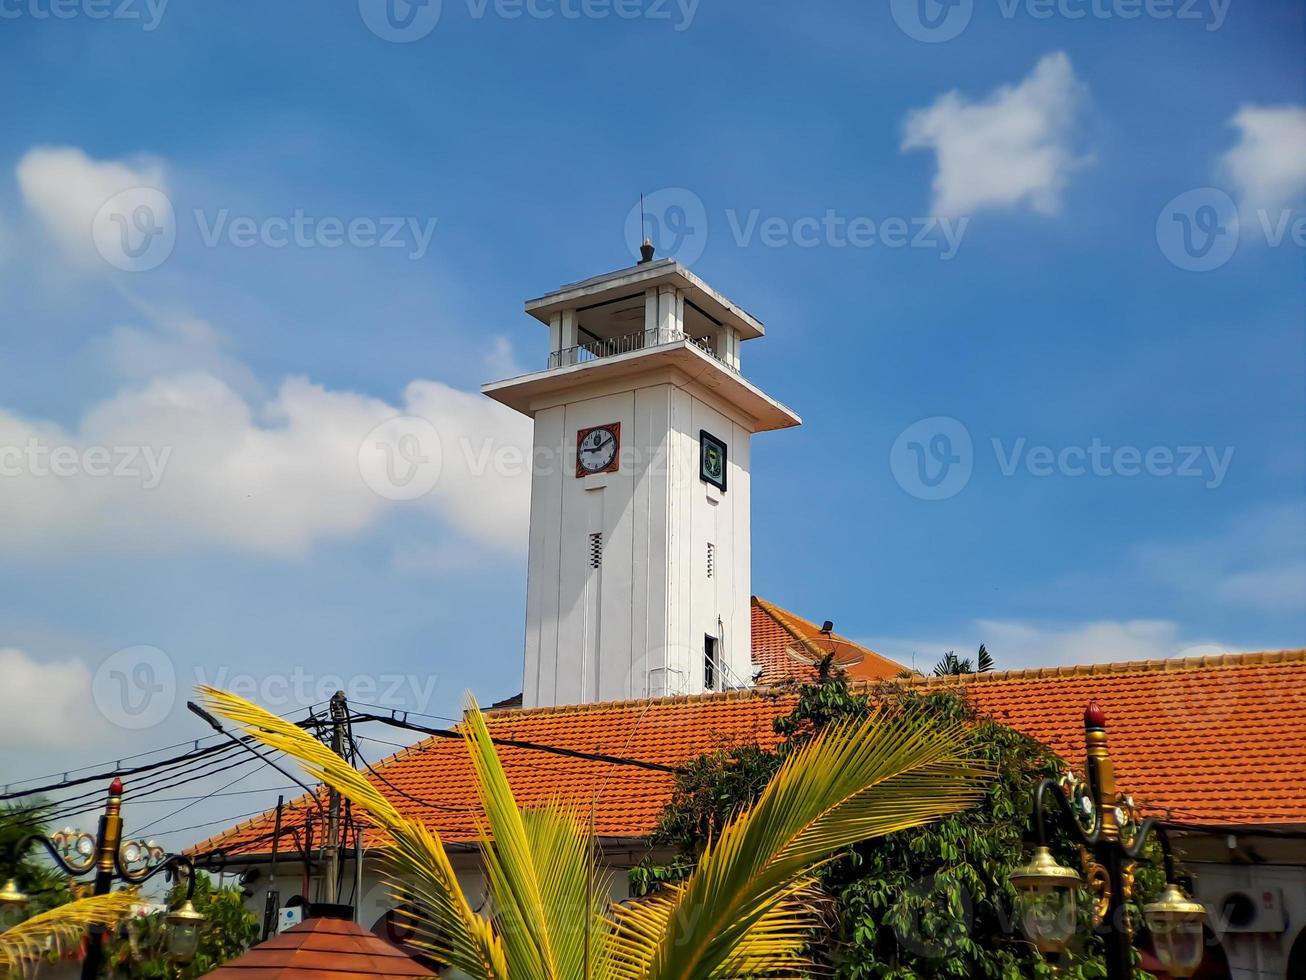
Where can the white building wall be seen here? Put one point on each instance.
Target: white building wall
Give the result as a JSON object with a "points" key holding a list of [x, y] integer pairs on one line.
{"points": [[1261, 955], [634, 626]]}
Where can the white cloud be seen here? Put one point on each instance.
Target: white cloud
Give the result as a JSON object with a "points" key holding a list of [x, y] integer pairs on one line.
{"points": [[136, 354], [1255, 562], [1010, 149], [42, 705], [211, 468], [501, 360], [193, 452], [1268, 165], [1018, 644], [65, 189]]}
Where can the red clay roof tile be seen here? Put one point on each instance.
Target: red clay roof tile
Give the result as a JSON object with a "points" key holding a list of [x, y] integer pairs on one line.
{"points": [[1210, 740]]}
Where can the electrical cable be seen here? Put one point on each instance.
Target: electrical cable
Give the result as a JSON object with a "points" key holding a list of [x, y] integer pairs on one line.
{"points": [[94, 800], [159, 782], [410, 796], [209, 823], [116, 773], [520, 744], [187, 806], [121, 772]]}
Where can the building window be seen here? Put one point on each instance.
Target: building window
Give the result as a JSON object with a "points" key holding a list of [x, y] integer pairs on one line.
{"points": [[709, 663], [596, 549]]}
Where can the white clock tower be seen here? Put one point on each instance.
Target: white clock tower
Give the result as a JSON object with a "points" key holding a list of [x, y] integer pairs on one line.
{"points": [[638, 582]]}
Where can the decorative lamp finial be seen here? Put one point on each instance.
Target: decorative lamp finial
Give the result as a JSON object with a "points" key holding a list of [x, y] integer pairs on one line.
{"points": [[646, 251], [1094, 717], [115, 787]]}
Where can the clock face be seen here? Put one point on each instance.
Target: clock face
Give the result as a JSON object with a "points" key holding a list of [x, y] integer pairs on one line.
{"points": [[597, 448], [712, 460]]}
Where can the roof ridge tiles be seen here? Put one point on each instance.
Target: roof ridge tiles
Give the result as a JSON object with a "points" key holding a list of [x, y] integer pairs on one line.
{"points": [[1264, 658], [1227, 660]]}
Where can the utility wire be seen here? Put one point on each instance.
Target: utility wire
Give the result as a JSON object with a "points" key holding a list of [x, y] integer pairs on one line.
{"points": [[409, 796], [159, 782], [119, 771], [187, 806], [210, 823], [115, 773], [519, 744]]}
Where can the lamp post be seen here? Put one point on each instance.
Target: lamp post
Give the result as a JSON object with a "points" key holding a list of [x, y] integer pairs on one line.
{"points": [[132, 861], [1048, 912]]}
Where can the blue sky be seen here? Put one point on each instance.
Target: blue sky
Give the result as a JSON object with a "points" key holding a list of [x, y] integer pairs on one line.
{"points": [[1064, 314]]}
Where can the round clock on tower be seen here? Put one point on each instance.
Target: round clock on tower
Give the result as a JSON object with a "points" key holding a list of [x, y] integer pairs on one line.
{"points": [[597, 449], [638, 583]]}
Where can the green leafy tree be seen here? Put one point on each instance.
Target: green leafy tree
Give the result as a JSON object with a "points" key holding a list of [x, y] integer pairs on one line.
{"points": [[933, 901], [44, 885], [139, 951]]}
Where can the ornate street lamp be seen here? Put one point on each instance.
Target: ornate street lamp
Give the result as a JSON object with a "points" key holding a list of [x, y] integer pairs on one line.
{"points": [[1101, 819], [1049, 912], [132, 861], [1175, 922]]}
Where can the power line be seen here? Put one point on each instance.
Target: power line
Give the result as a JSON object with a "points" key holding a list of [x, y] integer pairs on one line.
{"points": [[155, 783], [520, 744], [65, 782], [115, 773], [404, 793], [187, 806], [206, 796], [210, 823]]}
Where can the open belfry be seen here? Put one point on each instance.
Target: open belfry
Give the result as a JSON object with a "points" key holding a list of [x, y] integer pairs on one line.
{"points": [[638, 580]]}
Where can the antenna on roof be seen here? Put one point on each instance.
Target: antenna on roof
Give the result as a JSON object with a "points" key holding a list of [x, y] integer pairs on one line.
{"points": [[646, 250]]}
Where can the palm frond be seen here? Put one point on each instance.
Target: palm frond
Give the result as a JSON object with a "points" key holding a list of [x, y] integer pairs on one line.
{"points": [[854, 781], [541, 869], [419, 866], [983, 660], [60, 928]]}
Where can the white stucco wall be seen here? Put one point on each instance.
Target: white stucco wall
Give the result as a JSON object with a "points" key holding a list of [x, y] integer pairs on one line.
{"points": [[635, 626]]}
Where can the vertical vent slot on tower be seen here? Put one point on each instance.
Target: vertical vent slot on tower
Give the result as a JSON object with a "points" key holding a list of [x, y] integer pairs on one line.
{"points": [[709, 663], [711, 559], [596, 549]]}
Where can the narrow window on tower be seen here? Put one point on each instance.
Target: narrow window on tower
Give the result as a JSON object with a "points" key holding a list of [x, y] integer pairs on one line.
{"points": [[711, 559], [596, 549], [709, 663]]}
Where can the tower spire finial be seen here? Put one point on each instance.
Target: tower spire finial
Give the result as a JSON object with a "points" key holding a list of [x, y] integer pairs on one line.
{"points": [[646, 250]]}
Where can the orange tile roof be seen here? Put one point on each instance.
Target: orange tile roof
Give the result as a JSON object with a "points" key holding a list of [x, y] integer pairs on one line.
{"points": [[787, 648], [1218, 740], [322, 949]]}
